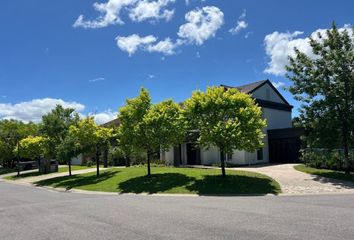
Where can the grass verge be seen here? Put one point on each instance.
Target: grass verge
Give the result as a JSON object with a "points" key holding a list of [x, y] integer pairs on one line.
{"points": [[36, 173], [169, 180], [325, 173]]}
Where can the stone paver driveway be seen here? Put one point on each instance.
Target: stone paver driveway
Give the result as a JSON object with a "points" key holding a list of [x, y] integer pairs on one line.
{"points": [[296, 182]]}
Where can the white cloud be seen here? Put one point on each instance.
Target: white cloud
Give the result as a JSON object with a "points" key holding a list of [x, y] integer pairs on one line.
{"points": [[201, 25], [34, 109], [99, 79], [279, 46], [154, 10], [103, 117], [278, 84], [166, 47], [109, 11], [138, 10], [132, 43], [241, 24]]}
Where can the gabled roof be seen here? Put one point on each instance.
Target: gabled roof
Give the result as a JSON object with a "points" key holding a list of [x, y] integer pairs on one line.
{"points": [[250, 88], [112, 123]]}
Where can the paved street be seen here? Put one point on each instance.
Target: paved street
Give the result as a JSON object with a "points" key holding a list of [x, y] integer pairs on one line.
{"points": [[32, 213]]}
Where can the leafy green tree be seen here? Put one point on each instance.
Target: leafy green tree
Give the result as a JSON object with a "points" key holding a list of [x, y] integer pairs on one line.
{"points": [[162, 127], [324, 83], [129, 117], [225, 118], [90, 138], [55, 125], [32, 147], [12, 131], [68, 149]]}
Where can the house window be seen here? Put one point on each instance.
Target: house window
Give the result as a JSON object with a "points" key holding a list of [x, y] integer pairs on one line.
{"points": [[229, 157], [260, 154]]}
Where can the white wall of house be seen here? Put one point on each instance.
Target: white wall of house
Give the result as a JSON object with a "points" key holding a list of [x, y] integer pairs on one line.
{"points": [[77, 160], [276, 119]]}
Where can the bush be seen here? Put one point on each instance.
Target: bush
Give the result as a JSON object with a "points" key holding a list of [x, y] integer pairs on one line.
{"points": [[325, 158], [116, 157], [89, 163]]}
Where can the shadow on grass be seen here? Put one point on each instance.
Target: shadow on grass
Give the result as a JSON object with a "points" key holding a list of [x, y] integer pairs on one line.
{"points": [[157, 183], [76, 181], [233, 184], [25, 175]]}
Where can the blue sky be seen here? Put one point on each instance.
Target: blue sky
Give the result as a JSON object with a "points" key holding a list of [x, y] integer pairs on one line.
{"points": [[49, 54]]}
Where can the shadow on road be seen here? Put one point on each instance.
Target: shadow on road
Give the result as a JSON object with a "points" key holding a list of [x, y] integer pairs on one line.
{"points": [[76, 181]]}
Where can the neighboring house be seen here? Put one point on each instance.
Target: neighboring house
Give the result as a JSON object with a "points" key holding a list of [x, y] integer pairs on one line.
{"points": [[281, 143], [82, 159]]}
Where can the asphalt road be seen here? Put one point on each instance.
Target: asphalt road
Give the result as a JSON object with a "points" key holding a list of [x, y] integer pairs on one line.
{"points": [[31, 213]]}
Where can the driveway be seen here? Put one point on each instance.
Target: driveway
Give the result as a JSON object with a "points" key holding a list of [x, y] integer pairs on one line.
{"points": [[296, 182], [37, 214]]}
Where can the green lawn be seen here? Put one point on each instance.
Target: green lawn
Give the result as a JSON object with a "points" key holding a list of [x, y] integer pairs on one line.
{"points": [[325, 173], [36, 173], [169, 180]]}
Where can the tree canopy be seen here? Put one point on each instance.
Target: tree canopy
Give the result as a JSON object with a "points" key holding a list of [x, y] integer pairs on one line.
{"points": [[225, 118], [324, 83]]}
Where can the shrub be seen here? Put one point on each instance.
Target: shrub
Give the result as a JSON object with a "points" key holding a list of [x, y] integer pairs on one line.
{"points": [[325, 158]]}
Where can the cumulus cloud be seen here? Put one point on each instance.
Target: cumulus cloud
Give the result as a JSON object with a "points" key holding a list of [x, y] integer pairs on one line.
{"points": [[138, 10], [134, 42], [279, 46], [154, 10], [201, 25], [104, 117], [241, 24], [34, 109], [278, 84]]}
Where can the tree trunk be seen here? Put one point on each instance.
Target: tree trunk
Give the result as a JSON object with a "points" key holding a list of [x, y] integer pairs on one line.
{"points": [[127, 161], [345, 137], [105, 158], [148, 165], [97, 163], [69, 163], [346, 155], [222, 161]]}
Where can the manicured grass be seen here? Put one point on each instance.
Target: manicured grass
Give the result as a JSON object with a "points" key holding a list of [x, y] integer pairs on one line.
{"points": [[36, 173], [325, 173], [169, 180]]}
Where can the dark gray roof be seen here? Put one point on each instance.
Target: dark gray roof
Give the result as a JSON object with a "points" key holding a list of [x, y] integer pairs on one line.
{"points": [[248, 88]]}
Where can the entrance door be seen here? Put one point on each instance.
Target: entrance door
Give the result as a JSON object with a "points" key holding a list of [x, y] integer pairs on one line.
{"points": [[193, 154]]}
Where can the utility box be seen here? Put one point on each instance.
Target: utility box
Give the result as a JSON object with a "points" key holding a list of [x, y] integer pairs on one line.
{"points": [[48, 166]]}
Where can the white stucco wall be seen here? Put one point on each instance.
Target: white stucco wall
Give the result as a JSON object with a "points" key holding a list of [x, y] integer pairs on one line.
{"points": [[209, 156], [77, 160]]}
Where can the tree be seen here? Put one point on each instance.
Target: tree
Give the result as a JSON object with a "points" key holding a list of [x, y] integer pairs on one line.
{"points": [[32, 147], [68, 149], [162, 127], [12, 131], [129, 117], [90, 138], [225, 118], [56, 124], [324, 83]]}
